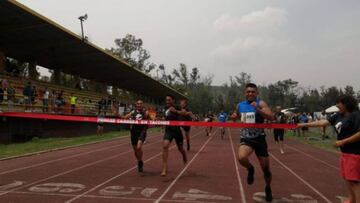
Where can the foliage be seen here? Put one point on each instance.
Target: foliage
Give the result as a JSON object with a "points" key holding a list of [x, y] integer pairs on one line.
{"points": [[131, 50]]}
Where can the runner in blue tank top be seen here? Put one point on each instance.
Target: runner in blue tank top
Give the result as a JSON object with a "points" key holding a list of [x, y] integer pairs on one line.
{"points": [[222, 117], [254, 110]]}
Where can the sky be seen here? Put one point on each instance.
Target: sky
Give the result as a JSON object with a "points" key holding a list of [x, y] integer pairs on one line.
{"points": [[313, 42]]}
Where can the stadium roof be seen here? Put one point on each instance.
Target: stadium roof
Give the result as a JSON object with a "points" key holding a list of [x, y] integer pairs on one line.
{"points": [[28, 36]]}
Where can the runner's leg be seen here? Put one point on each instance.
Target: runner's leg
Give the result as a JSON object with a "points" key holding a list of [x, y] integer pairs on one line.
{"points": [[165, 153]]}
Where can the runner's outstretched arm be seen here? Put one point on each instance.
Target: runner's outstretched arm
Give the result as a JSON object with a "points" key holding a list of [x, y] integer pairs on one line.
{"points": [[320, 123]]}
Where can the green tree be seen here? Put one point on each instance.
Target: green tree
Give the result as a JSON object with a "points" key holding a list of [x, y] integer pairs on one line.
{"points": [[349, 90], [329, 95], [182, 75], [131, 50]]}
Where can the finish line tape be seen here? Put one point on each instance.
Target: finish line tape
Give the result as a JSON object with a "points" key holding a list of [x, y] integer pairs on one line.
{"points": [[144, 122]]}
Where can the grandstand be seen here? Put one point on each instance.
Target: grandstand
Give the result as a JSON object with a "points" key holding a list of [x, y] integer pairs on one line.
{"points": [[29, 37]]}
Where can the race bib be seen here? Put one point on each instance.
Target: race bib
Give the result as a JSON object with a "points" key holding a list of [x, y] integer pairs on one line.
{"points": [[248, 117]]}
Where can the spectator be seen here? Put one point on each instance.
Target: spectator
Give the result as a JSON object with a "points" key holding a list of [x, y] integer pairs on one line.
{"points": [[34, 95], [28, 93], [4, 84], [73, 101], [78, 86], [10, 97], [52, 97], [304, 119], [323, 128], [59, 103], [310, 118], [46, 100], [101, 105], [1, 96], [295, 120]]}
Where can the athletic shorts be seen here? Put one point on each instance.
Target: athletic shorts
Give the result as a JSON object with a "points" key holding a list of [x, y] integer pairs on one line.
{"points": [[278, 135], [258, 144], [136, 136], [101, 124], [349, 167], [177, 135], [186, 128]]}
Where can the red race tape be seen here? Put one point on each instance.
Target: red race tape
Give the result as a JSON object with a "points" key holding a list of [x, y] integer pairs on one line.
{"points": [[144, 122]]}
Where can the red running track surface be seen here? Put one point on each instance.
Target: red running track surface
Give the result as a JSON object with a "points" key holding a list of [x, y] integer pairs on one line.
{"points": [[106, 172]]}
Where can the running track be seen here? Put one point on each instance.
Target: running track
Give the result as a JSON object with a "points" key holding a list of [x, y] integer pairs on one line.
{"points": [[106, 172]]}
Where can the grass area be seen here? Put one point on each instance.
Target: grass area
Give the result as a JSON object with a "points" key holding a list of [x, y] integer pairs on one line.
{"points": [[314, 138], [37, 145]]}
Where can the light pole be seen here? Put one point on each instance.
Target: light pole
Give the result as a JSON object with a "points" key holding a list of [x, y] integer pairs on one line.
{"points": [[82, 18]]}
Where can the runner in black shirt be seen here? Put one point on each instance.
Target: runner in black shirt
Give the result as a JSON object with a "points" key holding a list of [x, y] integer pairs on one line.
{"points": [[347, 126], [279, 133], [172, 132], [209, 117], [138, 132], [183, 107]]}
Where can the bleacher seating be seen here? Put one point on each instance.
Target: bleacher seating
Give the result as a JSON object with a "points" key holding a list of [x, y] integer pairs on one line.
{"points": [[84, 106]]}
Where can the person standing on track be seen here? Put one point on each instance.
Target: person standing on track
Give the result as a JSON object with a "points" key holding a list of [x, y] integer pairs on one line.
{"points": [[138, 132], [209, 117], [222, 117], [279, 133], [183, 106], [347, 126], [254, 110], [172, 113]]}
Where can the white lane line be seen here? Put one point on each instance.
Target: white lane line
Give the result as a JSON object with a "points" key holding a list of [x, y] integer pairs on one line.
{"points": [[119, 175], [243, 199], [182, 172], [104, 197], [65, 158], [72, 170], [301, 179], [308, 155]]}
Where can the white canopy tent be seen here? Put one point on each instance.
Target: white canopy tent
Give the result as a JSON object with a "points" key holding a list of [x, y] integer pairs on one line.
{"points": [[334, 109], [289, 110]]}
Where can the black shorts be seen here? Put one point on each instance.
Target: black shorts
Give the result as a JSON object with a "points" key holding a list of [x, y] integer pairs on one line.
{"points": [[177, 135], [279, 135], [186, 128], [101, 124], [136, 136], [258, 144]]}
